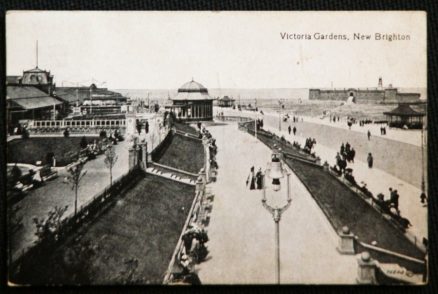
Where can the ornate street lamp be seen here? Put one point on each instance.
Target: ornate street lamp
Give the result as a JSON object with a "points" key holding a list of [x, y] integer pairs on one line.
{"points": [[276, 172]]}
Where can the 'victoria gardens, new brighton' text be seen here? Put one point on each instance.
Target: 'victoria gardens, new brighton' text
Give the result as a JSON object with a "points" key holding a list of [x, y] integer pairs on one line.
{"points": [[345, 37]]}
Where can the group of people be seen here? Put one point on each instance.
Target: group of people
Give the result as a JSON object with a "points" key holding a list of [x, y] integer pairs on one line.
{"points": [[296, 119], [382, 130], [255, 180], [259, 124], [310, 142], [334, 118], [393, 201], [363, 122], [290, 129], [139, 126], [348, 152]]}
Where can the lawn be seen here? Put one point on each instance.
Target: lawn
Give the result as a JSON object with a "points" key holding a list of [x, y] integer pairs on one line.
{"points": [[35, 149], [182, 153], [142, 226]]}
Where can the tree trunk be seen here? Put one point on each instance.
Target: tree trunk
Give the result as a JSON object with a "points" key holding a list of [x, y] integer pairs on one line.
{"points": [[76, 199]]}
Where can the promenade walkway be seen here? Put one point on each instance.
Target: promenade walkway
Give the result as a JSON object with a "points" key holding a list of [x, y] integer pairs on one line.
{"points": [[241, 231], [378, 181], [396, 157]]}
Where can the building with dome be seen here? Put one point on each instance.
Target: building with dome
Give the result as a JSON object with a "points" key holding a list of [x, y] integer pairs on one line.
{"points": [[192, 103]]}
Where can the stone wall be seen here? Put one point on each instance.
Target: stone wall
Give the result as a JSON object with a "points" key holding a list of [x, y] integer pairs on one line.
{"points": [[389, 95]]}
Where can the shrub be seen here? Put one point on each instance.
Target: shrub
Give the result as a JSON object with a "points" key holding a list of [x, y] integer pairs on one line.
{"points": [[84, 142], [102, 134], [66, 133], [25, 134]]}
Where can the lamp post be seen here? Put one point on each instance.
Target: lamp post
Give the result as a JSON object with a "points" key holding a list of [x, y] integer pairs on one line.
{"points": [[276, 171], [280, 104]]}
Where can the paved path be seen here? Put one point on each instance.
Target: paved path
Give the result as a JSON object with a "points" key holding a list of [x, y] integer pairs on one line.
{"points": [[40, 201], [241, 231], [378, 181]]}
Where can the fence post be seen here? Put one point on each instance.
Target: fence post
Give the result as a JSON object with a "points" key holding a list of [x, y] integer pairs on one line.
{"points": [[131, 151], [346, 241], [366, 272]]}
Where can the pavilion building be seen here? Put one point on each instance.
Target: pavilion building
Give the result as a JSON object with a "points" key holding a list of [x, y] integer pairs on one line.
{"points": [[225, 102], [192, 103], [405, 115]]}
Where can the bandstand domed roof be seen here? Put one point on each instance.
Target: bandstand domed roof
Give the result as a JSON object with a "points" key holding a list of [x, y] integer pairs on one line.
{"points": [[192, 86], [192, 91]]}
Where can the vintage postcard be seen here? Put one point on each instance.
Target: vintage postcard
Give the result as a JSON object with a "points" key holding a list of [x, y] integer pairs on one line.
{"points": [[216, 147]]}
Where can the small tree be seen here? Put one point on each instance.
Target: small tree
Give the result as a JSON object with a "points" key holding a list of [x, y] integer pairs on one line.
{"points": [[110, 160], [48, 227], [74, 178]]}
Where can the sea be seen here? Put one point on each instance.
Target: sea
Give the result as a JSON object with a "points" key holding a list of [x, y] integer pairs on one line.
{"points": [[295, 101]]}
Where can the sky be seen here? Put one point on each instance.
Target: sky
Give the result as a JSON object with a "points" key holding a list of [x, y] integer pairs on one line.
{"points": [[163, 50]]}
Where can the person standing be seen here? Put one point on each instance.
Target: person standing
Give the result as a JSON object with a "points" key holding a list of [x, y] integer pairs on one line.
{"points": [[394, 201], [370, 160], [352, 154], [289, 129], [294, 130], [369, 135], [251, 179], [259, 179]]}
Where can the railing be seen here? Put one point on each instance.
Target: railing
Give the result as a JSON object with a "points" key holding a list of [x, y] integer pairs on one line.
{"points": [[233, 118], [87, 125], [86, 212], [191, 218]]}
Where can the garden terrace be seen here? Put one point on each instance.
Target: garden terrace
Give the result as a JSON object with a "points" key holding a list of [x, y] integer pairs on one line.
{"points": [[132, 242], [343, 207], [35, 149], [182, 153]]}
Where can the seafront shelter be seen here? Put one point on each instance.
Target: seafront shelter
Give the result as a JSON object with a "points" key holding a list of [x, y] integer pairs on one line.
{"points": [[192, 102], [404, 115], [225, 102]]}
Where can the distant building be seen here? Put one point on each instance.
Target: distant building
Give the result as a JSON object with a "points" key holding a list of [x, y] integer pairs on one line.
{"points": [[368, 95], [92, 99], [225, 102], [192, 102], [31, 96]]}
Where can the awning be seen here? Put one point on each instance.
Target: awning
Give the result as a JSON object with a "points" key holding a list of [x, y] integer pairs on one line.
{"points": [[38, 102]]}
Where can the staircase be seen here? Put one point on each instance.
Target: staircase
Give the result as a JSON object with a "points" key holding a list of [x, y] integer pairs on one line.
{"points": [[172, 173]]}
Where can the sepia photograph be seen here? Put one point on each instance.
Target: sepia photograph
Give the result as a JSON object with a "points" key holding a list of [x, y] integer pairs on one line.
{"points": [[216, 148]]}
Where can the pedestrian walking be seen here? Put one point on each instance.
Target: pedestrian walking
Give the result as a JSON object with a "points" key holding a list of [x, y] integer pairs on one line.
{"points": [[369, 135], [294, 130], [370, 160], [251, 179], [289, 129]]}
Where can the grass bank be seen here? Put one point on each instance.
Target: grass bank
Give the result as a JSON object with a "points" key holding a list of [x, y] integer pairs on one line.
{"points": [[35, 149], [132, 243], [182, 153]]}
